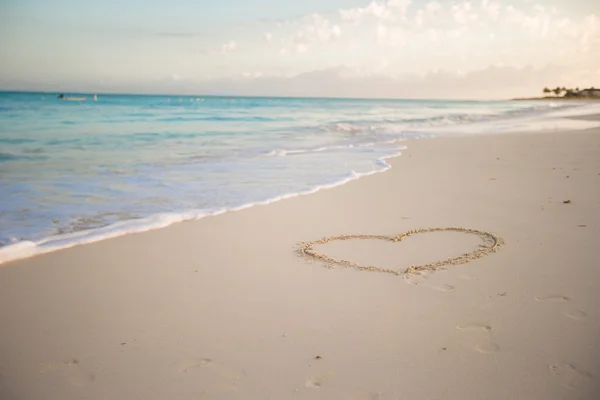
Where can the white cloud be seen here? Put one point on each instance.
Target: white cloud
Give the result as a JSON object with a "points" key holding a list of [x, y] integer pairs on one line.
{"points": [[428, 15], [229, 47], [314, 29], [591, 33], [385, 11], [253, 75], [391, 36], [336, 31], [462, 34], [382, 31], [463, 13], [318, 29], [491, 8], [433, 7], [547, 24], [374, 9], [399, 8], [301, 48], [268, 37], [538, 25]]}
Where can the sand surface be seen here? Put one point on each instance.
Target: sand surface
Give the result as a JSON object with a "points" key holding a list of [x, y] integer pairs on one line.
{"points": [[225, 308]]}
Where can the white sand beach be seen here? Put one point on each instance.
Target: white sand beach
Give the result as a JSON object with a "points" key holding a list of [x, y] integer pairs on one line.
{"points": [[226, 308]]}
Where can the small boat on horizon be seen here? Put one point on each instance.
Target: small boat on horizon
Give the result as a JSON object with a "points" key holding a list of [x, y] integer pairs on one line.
{"points": [[70, 98]]}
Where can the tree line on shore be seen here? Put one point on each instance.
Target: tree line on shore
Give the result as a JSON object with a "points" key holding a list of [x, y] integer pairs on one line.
{"points": [[591, 92]]}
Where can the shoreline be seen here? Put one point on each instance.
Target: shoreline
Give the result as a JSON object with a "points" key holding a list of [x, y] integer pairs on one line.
{"points": [[224, 307], [53, 236], [27, 248], [573, 98]]}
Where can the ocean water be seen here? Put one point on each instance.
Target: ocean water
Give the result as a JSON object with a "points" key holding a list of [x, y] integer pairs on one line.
{"points": [[79, 171]]}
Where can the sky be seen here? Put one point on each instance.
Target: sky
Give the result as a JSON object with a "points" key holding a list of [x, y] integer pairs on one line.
{"points": [[480, 49]]}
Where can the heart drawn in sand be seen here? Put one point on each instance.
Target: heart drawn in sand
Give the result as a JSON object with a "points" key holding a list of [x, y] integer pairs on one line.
{"points": [[490, 244]]}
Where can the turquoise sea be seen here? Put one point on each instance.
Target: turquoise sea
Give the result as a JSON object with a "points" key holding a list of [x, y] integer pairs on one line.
{"points": [[83, 170]]}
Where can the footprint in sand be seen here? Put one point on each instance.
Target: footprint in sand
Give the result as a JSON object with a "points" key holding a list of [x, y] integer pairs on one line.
{"points": [[316, 382], [476, 326], [82, 378], [568, 311], [553, 298], [444, 288], [203, 362], [485, 347], [569, 376], [575, 313], [416, 278], [216, 377], [71, 370]]}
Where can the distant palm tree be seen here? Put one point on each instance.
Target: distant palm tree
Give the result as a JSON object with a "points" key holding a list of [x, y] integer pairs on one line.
{"points": [[547, 91], [557, 91]]}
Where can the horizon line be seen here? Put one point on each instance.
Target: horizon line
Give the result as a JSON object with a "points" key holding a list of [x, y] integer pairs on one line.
{"points": [[243, 96]]}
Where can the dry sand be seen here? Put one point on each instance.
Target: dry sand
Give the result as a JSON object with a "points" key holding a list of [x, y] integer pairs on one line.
{"points": [[224, 308]]}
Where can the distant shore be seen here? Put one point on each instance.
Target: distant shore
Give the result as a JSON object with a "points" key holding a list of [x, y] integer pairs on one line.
{"points": [[553, 98]]}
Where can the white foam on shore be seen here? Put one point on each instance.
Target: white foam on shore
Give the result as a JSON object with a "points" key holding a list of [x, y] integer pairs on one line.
{"points": [[558, 119], [27, 248], [284, 152]]}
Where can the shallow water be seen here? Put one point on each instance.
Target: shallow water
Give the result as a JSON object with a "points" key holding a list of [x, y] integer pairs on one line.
{"points": [[78, 171]]}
